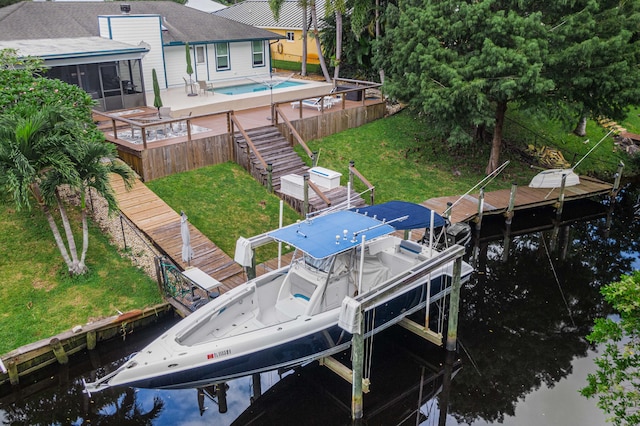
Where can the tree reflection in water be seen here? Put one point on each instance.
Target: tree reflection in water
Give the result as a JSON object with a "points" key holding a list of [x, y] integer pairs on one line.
{"points": [[520, 327]]}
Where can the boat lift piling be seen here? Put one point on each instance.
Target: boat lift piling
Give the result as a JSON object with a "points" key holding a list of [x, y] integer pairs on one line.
{"points": [[352, 318], [507, 221], [559, 206]]}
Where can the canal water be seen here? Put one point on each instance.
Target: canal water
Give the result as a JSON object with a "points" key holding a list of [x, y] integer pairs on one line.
{"points": [[522, 360]]}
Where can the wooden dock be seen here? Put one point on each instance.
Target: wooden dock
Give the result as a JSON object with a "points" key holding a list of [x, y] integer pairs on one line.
{"points": [[497, 202], [161, 224]]}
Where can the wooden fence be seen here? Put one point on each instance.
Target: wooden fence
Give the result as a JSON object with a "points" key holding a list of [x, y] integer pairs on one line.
{"points": [[163, 160]]}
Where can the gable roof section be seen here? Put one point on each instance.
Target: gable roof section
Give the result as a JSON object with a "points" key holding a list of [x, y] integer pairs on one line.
{"points": [[79, 50], [53, 20], [257, 13]]}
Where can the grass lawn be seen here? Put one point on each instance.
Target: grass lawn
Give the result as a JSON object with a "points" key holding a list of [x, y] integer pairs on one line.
{"points": [[398, 155], [224, 202], [38, 297]]}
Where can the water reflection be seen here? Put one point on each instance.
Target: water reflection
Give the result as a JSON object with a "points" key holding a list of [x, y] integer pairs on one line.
{"points": [[522, 324], [529, 310], [406, 372]]}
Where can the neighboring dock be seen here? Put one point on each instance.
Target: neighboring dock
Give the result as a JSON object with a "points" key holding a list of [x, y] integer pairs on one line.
{"points": [[498, 202]]}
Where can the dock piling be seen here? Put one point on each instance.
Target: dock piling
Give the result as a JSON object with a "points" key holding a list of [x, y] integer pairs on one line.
{"points": [[478, 218], [357, 343], [616, 183], [58, 351], [12, 369], [91, 340], [560, 203], [454, 305], [221, 393], [257, 385], [512, 202]]}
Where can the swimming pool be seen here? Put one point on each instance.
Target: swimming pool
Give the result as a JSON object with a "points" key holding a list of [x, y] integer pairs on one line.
{"points": [[254, 87]]}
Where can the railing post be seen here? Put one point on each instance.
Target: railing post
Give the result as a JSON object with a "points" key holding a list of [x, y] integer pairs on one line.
{"points": [[305, 206], [314, 158], [270, 178], [351, 165]]}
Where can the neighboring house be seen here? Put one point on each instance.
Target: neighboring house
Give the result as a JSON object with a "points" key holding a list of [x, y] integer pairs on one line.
{"points": [[290, 23], [205, 5], [110, 48]]}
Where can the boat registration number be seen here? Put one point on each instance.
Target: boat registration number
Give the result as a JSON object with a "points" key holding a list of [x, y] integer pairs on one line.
{"points": [[219, 354]]}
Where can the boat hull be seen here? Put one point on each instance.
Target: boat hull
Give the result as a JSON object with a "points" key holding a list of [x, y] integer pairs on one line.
{"points": [[288, 354]]}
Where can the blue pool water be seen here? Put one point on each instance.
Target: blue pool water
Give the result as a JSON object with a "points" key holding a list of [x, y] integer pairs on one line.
{"points": [[253, 87]]}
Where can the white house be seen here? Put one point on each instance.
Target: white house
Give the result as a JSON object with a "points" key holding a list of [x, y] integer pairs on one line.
{"points": [[110, 48]]}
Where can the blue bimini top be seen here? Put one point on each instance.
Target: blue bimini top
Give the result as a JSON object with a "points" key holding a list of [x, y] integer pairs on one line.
{"points": [[330, 234], [418, 216]]}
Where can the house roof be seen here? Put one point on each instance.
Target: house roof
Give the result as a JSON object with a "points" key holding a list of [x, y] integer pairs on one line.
{"points": [[205, 5], [54, 20], [78, 50], [257, 13]]}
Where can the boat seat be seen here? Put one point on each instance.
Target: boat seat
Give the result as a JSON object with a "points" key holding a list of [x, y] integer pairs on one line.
{"points": [[410, 247], [295, 294], [381, 244]]}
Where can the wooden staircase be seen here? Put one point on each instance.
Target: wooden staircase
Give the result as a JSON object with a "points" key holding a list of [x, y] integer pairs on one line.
{"points": [[276, 150]]}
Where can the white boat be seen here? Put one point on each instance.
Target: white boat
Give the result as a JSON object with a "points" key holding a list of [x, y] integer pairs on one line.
{"points": [[289, 316], [552, 178]]}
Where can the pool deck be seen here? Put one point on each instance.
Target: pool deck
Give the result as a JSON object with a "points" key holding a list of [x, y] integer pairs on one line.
{"points": [[182, 104]]}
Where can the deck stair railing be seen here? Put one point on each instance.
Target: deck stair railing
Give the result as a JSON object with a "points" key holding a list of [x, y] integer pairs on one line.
{"points": [[294, 134], [354, 172], [250, 146]]}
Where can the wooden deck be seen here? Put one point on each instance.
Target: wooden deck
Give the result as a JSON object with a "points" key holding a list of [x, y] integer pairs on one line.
{"points": [[161, 224], [497, 202]]}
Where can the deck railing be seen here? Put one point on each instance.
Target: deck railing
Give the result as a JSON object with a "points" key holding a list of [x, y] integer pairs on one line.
{"points": [[294, 133], [354, 172]]}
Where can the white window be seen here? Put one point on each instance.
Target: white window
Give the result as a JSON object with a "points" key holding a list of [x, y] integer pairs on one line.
{"points": [[200, 54], [290, 36], [222, 57], [257, 50]]}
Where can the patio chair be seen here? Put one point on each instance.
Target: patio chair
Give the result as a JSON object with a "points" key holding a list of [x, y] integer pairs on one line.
{"points": [[188, 84], [203, 87], [316, 103]]}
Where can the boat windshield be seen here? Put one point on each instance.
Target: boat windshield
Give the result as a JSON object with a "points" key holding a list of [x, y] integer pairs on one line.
{"points": [[323, 265]]}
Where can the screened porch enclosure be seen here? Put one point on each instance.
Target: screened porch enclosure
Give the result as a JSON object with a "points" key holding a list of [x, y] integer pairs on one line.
{"points": [[114, 85]]}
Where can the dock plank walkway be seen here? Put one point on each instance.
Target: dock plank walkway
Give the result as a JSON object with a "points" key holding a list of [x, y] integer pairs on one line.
{"points": [[497, 202], [161, 224]]}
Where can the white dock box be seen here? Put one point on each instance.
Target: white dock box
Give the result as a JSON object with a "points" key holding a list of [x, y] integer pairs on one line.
{"points": [[292, 185], [324, 177]]}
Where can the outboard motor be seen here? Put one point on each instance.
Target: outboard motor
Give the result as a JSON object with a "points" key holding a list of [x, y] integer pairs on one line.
{"points": [[449, 235]]}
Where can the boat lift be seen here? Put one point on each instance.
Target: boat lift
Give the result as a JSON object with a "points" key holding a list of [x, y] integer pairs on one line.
{"points": [[352, 321]]}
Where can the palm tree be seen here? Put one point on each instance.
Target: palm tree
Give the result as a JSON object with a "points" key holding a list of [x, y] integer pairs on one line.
{"points": [[276, 5], [41, 151], [339, 8]]}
